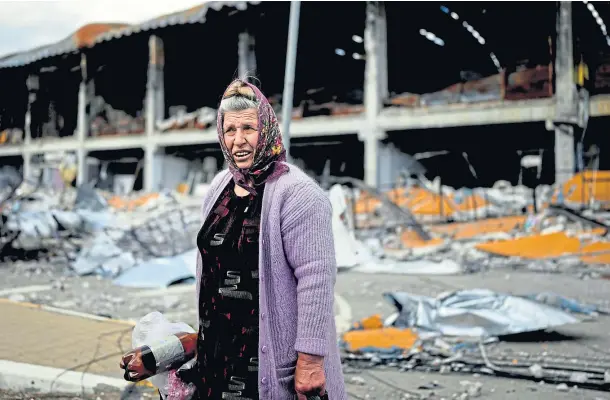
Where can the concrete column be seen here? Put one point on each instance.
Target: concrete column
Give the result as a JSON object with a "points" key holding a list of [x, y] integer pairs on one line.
{"points": [[382, 46], [82, 125], [149, 167], [565, 160], [371, 139], [155, 107], [27, 165], [246, 56], [33, 85], [375, 83], [82, 174], [566, 95], [567, 115], [155, 93]]}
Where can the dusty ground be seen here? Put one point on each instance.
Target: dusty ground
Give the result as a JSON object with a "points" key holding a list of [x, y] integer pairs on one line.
{"points": [[100, 394], [42, 283]]}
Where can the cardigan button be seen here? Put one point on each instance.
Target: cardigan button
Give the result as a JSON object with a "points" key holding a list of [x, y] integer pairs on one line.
{"points": [[264, 380]]}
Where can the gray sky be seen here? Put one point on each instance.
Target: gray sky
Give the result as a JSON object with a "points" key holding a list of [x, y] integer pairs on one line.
{"points": [[25, 24]]}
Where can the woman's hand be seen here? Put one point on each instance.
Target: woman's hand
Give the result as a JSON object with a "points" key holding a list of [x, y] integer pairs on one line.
{"points": [[309, 379], [132, 363]]}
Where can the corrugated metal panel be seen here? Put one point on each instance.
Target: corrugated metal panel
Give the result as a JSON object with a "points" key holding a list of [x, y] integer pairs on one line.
{"points": [[27, 57], [191, 16], [108, 32], [85, 36]]}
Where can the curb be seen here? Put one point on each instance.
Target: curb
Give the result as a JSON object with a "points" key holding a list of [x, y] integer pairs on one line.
{"points": [[63, 311], [29, 377]]}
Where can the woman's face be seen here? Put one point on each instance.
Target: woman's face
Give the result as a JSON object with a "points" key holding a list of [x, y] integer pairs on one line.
{"points": [[240, 133]]}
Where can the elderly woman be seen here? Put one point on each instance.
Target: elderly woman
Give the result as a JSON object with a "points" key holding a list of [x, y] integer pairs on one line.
{"points": [[266, 269]]}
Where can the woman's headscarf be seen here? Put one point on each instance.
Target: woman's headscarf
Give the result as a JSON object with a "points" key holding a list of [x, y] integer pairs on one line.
{"points": [[269, 154]]}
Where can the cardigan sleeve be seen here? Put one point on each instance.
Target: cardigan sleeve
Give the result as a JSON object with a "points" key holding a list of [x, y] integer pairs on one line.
{"points": [[307, 237]]}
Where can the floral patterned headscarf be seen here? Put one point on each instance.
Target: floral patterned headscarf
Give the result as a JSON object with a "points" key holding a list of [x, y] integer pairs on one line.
{"points": [[270, 153]]}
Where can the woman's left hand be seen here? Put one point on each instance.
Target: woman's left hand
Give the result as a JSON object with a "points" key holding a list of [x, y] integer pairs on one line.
{"points": [[309, 376]]}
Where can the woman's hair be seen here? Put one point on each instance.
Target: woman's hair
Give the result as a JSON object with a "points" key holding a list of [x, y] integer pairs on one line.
{"points": [[238, 97]]}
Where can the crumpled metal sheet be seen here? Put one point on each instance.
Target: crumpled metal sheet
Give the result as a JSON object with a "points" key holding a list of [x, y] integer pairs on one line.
{"points": [[476, 313], [565, 303], [160, 272]]}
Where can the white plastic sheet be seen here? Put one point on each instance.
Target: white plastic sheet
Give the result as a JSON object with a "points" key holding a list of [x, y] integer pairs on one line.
{"points": [[418, 267], [349, 252]]}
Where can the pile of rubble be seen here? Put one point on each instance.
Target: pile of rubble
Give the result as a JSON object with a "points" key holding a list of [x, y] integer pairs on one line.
{"points": [[110, 122], [92, 232], [149, 239], [406, 231]]}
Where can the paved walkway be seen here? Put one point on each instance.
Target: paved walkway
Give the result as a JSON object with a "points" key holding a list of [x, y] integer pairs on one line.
{"points": [[50, 337], [37, 335]]}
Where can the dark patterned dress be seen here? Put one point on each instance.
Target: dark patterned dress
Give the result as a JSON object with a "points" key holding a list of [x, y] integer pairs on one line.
{"points": [[228, 303]]}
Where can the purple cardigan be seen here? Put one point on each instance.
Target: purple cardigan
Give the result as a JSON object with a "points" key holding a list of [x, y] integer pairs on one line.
{"points": [[297, 277]]}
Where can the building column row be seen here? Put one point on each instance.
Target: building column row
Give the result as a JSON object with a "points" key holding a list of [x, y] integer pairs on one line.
{"points": [[375, 88]]}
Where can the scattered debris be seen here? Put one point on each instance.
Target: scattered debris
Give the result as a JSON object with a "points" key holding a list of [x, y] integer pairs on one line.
{"points": [[453, 332], [562, 387], [147, 241]]}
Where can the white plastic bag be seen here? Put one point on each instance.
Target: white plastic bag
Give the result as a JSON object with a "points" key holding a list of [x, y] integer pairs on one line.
{"points": [[152, 327]]}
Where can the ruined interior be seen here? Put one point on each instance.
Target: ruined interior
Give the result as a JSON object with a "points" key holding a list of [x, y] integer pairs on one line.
{"points": [[118, 73]]}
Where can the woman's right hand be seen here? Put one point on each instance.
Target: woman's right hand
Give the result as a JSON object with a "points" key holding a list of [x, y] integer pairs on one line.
{"points": [[132, 363]]}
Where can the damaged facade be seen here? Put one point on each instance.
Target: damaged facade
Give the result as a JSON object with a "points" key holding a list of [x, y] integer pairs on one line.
{"points": [[123, 88], [116, 191]]}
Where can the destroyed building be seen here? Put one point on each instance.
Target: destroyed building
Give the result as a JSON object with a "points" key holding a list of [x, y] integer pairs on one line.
{"points": [[132, 102], [451, 139]]}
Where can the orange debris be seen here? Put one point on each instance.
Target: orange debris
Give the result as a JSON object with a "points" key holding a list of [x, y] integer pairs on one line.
{"points": [[372, 322], [422, 202], [130, 204], [468, 230], [383, 338], [551, 245], [410, 239], [585, 187], [366, 204], [596, 253], [182, 188], [535, 246]]}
